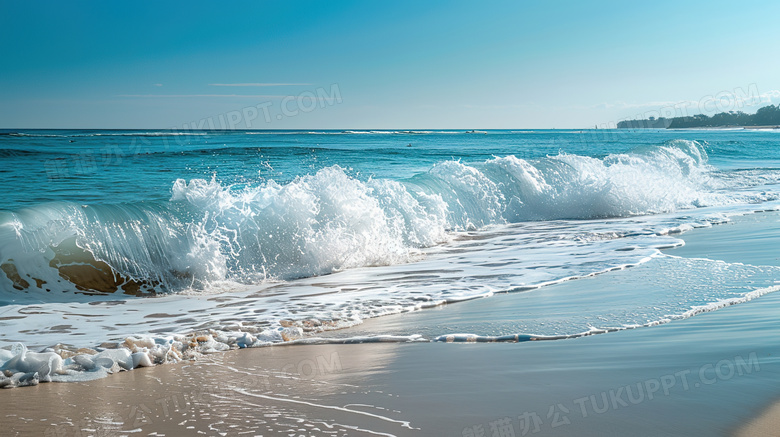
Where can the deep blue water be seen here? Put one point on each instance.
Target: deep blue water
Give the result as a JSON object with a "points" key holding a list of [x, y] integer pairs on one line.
{"points": [[90, 166]]}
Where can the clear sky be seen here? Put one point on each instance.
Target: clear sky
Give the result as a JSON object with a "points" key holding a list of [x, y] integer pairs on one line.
{"points": [[384, 65]]}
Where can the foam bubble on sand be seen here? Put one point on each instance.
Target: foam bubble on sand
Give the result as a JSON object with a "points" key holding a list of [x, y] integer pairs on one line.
{"points": [[20, 367], [28, 368]]}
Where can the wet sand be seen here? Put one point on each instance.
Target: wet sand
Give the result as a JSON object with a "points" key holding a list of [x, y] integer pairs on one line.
{"points": [[702, 376]]}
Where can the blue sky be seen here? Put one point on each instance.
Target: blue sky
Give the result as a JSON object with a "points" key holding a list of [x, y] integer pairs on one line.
{"points": [[432, 64]]}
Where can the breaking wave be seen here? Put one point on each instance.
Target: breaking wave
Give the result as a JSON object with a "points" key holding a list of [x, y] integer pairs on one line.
{"points": [[209, 234]]}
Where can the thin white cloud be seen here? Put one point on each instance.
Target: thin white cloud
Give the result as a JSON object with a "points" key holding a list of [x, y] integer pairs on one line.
{"points": [[257, 84], [157, 84], [770, 95], [625, 105], [264, 96]]}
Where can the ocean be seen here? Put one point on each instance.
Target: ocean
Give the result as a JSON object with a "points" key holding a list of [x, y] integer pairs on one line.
{"points": [[121, 249]]}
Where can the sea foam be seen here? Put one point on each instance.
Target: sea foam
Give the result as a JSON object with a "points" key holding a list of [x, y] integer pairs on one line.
{"points": [[211, 234]]}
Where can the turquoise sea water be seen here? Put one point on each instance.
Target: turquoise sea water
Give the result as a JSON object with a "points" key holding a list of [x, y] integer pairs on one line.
{"points": [[96, 167], [260, 237]]}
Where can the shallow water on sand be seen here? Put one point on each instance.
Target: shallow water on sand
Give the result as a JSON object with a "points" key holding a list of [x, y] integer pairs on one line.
{"points": [[724, 265]]}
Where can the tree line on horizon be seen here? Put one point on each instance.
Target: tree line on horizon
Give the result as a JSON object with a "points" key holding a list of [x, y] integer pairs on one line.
{"points": [[766, 116]]}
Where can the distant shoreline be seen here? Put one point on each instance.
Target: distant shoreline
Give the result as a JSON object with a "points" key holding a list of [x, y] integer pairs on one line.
{"points": [[720, 128], [728, 128], [767, 117]]}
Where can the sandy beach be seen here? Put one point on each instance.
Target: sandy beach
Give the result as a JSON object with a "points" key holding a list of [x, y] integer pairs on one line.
{"points": [[713, 374], [763, 425], [615, 384]]}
